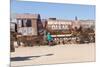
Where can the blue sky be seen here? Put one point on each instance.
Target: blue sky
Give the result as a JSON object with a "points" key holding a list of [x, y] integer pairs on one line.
{"points": [[57, 10]]}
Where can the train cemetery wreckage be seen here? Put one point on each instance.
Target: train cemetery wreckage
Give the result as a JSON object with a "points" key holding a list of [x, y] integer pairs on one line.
{"points": [[30, 30]]}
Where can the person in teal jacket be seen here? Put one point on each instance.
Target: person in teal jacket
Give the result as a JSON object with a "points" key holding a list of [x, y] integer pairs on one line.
{"points": [[49, 38]]}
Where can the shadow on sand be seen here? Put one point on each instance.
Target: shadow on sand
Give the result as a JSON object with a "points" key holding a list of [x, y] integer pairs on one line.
{"points": [[27, 57]]}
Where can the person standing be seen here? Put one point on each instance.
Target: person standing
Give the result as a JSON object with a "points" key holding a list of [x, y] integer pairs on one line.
{"points": [[49, 38]]}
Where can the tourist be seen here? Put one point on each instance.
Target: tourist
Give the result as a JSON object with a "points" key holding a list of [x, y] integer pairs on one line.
{"points": [[49, 38]]}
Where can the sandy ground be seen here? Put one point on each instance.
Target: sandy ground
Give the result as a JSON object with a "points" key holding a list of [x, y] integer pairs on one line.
{"points": [[53, 54]]}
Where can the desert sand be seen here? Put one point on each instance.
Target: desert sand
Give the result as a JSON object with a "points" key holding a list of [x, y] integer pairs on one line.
{"points": [[68, 53]]}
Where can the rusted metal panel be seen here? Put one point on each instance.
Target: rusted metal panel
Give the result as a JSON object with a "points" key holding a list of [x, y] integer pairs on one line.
{"points": [[26, 31], [27, 16], [34, 27]]}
